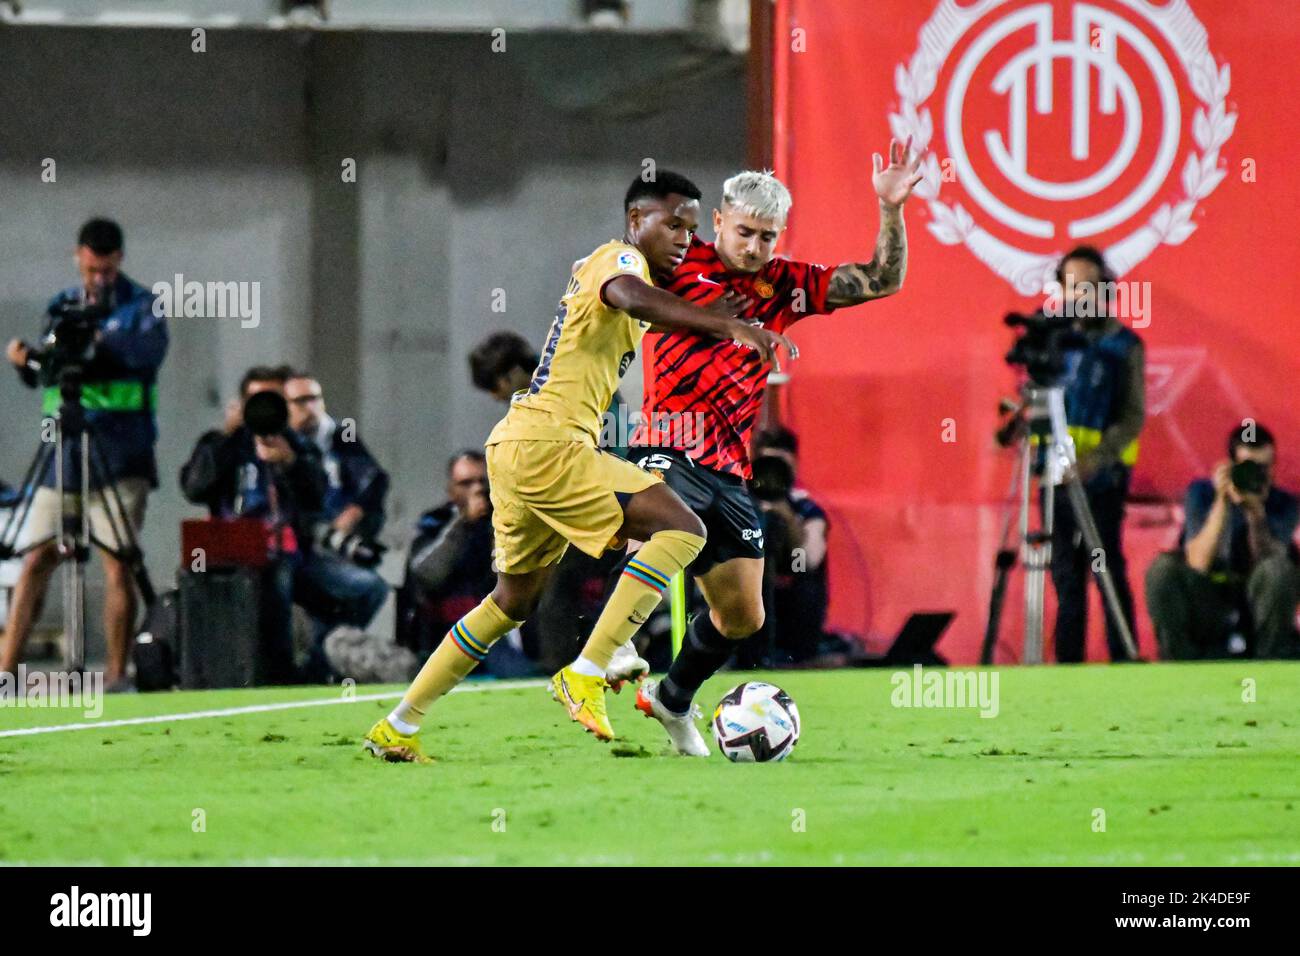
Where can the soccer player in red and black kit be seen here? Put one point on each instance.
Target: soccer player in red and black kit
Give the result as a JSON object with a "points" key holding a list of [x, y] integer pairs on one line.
{"points": [[718, 386]]}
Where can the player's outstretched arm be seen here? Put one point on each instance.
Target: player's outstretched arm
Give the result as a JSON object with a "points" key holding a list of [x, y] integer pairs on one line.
{"points": [[663, 309], [853, 283]]}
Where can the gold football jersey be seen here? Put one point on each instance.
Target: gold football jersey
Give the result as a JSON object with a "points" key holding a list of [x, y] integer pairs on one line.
{"points": [[589, 347]]}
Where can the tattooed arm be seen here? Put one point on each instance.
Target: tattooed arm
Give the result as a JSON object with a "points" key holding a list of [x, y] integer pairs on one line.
{"points": [[852, 282]]}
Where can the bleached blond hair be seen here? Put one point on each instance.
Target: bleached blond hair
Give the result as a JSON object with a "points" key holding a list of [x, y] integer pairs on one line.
{"points": [[758, 194]]}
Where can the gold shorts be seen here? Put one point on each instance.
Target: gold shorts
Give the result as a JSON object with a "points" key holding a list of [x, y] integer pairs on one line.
{"points": [[548, 494]]}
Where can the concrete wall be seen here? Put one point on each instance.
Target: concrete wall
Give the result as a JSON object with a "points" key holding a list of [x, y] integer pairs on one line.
{"points": [[477, 171]]}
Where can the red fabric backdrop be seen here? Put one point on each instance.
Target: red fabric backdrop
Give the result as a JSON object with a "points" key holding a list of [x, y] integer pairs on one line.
{"points": [[915, 518]]}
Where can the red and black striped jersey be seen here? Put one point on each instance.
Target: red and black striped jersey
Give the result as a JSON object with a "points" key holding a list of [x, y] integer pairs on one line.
{"points": [[706, 393]]}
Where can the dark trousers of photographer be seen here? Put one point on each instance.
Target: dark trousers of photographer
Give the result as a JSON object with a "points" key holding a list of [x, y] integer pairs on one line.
{"points": [[1196, 614], [332, 590], [1072, 566]]}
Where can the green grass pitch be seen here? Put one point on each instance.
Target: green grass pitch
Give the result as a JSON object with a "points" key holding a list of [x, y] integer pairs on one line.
{"points": [[1185, 771]]}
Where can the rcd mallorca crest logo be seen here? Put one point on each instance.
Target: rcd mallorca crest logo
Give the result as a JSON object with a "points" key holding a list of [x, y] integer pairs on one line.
{"points": [[1062, 122]]}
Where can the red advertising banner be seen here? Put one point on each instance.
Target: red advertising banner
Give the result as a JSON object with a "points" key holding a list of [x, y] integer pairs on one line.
{"points": [[1161, 132]]}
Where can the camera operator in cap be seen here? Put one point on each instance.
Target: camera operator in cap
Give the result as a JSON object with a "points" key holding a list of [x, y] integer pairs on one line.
{"points": [[1105, 407], [256, 466], [107, 327], [341, 584], [1235, 577]]}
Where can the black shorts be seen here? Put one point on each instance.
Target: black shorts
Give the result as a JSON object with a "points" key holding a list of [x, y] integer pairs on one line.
{"points": [[721, 501]]}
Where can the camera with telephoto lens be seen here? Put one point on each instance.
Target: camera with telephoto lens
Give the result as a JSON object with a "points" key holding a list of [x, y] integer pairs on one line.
{"points": [[360, 550], [1248, 477], [266, 414], [69, 345], [773, 478]]}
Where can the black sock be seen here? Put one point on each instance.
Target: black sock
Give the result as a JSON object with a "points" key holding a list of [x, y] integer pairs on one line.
{"points": [[704, 651]]}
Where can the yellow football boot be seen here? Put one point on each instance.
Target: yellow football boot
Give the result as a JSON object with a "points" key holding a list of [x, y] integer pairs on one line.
{"points": [[387, 743], [584, 698]]}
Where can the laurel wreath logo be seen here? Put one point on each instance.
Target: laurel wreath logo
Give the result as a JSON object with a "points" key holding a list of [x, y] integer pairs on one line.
{"points": [[1171, 224]]}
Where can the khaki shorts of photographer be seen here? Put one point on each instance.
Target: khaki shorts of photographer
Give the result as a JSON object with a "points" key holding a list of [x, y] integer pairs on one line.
{"points": [[43, 520]]}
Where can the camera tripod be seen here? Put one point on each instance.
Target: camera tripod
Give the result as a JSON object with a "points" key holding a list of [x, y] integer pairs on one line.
{"points": [[74, 537], [1045, 456]]}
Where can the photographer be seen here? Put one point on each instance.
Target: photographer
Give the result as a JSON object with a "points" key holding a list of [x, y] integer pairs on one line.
{"points": [[354, 503], [343, 584], [1235, 577], [263, 469], [103, 332], [1105, 407], [795, 528], [449, 565]]}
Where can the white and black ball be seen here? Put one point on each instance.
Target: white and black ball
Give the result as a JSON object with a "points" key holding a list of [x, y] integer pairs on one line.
{"points": [[756, 722]]}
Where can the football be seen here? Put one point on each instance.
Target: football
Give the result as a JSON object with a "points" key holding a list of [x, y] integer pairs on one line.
{"points": [[756, 722]]}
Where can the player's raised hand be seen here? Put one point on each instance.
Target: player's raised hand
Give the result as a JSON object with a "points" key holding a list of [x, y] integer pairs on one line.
{"points": [[765, 342], [893, 183]]}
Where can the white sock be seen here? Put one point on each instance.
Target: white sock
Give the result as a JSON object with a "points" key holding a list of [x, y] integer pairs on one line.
{"points": [[396, 718], [584, 666]]}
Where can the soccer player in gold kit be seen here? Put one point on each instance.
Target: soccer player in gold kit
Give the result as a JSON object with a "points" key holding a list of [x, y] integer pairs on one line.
{"points": [[552, 485]]}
